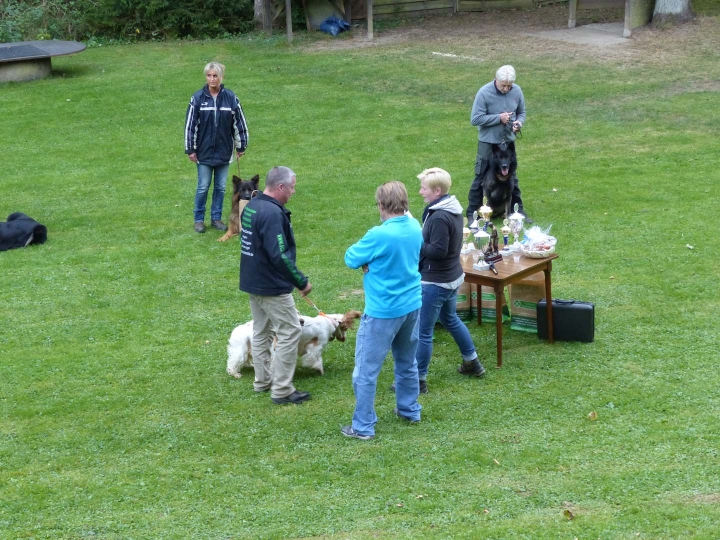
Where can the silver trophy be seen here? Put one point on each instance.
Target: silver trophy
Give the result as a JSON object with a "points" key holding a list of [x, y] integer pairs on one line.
{"points": [[516, 224]]}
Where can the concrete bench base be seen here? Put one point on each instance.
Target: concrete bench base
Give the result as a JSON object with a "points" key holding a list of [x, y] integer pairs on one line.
{"points": [[32, 60]]}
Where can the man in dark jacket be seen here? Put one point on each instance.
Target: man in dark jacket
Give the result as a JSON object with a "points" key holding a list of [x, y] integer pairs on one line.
{"points": [[269, 275], [441, 274], [214, 126]]}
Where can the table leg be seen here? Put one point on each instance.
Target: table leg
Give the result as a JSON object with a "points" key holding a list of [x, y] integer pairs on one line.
{"points": [[548, 298], [499, 290]]}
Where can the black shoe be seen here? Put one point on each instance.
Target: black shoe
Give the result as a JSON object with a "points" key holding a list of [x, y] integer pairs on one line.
{"points": [[348, 431], [403, 417], [472, 368], [219, 225], [199, 227], [296, 398]]}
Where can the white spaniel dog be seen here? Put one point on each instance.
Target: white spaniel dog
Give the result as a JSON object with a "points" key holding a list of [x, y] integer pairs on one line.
{"points": [[317, 332]]}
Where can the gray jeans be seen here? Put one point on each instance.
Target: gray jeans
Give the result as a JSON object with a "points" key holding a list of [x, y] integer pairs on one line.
{"points": [[278, 315]]}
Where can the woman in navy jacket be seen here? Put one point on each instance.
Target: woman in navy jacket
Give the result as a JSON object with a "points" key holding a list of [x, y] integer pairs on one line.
{"points": [[214, 127]]}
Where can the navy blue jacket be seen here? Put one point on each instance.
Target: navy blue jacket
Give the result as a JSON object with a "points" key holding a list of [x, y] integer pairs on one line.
{"points": [[21, 230], [214, 127], [268, 250]]}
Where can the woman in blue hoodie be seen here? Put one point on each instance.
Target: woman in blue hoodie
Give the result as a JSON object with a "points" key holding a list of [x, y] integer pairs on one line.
{"points": [[442, 274], [389, 256]]}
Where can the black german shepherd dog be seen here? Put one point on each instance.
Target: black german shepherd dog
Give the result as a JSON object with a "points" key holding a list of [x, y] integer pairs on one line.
{"points": [[500, 179], [243, 190]]}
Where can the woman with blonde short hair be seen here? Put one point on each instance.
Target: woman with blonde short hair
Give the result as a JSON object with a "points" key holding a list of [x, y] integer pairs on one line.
{"points": [[215, 128], [442, 274]]}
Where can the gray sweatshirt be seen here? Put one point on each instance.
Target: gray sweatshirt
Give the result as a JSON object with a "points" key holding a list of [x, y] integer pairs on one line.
{"points": [[489, 103]]}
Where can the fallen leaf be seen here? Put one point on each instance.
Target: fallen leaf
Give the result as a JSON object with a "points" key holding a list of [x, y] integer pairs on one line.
{"points": [[486, 511], [496, 462], [592, 415], [420, 497], [689, 246], [554, 189], [612, 277], [568, 514], [207, 342], [399, 505]]}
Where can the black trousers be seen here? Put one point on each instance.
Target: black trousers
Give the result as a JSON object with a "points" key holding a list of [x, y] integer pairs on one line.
{"points": [[475, 196]]}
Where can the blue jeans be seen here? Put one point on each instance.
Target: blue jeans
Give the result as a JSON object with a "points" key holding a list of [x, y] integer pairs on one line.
{"points": [[375, 338], [205, 174], [439, 303]]}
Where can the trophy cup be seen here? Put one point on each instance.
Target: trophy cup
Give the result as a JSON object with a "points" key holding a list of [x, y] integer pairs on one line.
{"points": [[516, 226], [467, 247], [490, 254], [485, 212], [481, 239], [505, 230], [474, 226]]}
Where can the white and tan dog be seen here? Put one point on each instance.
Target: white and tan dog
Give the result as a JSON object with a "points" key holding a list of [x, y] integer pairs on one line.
{"points": [[317, 332]]}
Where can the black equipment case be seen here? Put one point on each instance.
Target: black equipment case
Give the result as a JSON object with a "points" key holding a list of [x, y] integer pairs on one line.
{"points": [[572, 320]]}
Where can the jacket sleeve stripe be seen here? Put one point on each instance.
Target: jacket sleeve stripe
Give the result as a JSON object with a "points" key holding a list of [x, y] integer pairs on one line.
{"points": [[241, 135], [189, 136]]}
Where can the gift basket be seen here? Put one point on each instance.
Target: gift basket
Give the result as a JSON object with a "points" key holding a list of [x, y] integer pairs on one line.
{"points": [[538, 244]]}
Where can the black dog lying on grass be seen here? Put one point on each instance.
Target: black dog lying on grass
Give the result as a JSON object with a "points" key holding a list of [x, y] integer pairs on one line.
{"points": [[500, 179]]}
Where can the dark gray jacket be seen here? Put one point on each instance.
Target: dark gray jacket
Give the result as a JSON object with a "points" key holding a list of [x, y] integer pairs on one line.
{"points": [[442, 232]]}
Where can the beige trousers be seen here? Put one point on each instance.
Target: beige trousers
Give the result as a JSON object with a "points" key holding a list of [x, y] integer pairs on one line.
{"points": [[275, 315]]}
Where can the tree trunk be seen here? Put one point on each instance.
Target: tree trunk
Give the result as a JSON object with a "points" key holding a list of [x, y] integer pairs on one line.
{"points": [[259, 7], [671, 12]]}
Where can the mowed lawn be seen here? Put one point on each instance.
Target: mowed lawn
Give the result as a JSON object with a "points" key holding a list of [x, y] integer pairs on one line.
{"points": [[117, 419]]}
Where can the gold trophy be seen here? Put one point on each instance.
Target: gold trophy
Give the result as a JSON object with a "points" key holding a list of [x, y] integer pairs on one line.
{"points": [[485, 212]]}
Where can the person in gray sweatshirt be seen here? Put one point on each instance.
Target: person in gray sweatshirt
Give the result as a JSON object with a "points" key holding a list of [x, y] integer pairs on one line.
{"points": [[499, 113]]}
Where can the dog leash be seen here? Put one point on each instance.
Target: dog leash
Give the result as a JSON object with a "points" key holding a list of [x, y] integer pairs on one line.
{"points": [[313, 305]]}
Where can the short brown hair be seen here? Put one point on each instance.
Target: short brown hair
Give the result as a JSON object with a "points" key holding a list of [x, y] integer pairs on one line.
{"points": [[392, 197]]}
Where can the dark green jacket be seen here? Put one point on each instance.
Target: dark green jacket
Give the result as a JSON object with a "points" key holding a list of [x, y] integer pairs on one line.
{"points": [[267, 249]]}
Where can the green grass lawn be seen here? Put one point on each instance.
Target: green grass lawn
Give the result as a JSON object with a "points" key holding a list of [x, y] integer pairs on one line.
{"points": [[118, 421]]}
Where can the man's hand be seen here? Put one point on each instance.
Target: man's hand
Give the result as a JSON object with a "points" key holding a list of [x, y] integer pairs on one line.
{"points": [[505, 117], [240, 154], [307, 289], [193, 157], [365, 268]]}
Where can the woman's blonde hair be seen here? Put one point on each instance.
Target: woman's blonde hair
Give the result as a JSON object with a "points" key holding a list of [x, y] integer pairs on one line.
{"points": [[392, 197], [217, 66], [435, 177]]}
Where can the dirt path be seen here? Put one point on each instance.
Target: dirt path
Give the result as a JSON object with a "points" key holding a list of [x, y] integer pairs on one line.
{"points": [[538, 32]]}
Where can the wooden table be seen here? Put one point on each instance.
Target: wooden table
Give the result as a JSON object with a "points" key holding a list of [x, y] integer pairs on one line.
{"points": [[509, 271]]}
